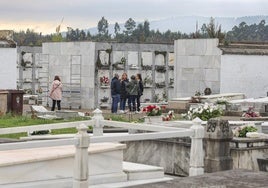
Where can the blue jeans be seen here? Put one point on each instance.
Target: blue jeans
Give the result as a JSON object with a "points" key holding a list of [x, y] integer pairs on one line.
{"points": [[115, 101], [123, 103], [133, 100]]}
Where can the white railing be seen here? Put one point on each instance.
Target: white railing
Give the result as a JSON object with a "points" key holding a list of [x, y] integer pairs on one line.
{"points": [[82, 141]]}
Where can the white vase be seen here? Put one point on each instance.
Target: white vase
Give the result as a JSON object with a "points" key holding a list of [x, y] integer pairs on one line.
{"points": [[152, 119]]}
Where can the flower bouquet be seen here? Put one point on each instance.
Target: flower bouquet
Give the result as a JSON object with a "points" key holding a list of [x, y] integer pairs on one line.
{"points": [[250, 113], [104, 81], [204, 112], [152, 110], [169, 116], [243, 130]]}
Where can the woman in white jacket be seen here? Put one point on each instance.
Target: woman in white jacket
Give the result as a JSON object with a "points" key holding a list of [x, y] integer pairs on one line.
{"points": [[56, 93]]}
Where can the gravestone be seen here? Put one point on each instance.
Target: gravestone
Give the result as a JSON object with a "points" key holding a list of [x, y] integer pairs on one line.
{"points": [[218, 135]]}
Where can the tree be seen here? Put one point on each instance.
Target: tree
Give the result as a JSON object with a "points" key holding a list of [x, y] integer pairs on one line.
{"points": [[116, 28], [146, 27], [130, 26], [82, 35], [213, 31], [56, 37], [103, 27]]}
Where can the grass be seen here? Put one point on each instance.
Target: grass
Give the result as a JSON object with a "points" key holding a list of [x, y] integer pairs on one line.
{"points": [[8, 121]]}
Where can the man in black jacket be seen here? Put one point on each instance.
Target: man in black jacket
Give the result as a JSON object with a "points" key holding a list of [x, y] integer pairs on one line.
{"points": [[115, 92]]}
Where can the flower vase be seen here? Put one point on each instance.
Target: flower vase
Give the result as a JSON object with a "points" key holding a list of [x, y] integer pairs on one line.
{"points": [[153, 119]]}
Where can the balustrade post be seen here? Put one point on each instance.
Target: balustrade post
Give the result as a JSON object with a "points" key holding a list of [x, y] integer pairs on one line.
{"points": [[197, 153], [80, 179], [98, 126]]}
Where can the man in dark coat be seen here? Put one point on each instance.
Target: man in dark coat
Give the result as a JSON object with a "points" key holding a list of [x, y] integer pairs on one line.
{"points": [[115, 92]]}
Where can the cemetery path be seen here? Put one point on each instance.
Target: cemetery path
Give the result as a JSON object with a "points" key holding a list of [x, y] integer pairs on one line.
{"points": [[224, 179]]}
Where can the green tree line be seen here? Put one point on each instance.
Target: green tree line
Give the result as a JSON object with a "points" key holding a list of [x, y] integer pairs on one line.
{"points": [[141, 33]]}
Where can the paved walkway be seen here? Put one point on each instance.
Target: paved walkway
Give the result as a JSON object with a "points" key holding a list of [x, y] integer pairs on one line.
{"points": [[239, 178]]}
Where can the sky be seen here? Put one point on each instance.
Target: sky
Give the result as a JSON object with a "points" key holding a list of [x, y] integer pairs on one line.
{"points": [[45, 15]]}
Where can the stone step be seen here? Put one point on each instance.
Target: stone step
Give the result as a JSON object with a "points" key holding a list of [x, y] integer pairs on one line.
{"points": [[137, 171], [51, 163], [137, 174]]}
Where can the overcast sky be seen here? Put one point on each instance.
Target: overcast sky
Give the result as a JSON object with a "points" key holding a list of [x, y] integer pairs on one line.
{"points": [[45, 15]]}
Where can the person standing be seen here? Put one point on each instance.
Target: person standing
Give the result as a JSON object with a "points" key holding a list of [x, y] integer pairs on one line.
{"points": [[140, 92], [56, 93], [115, 92], [133, 90], [123, 93]]}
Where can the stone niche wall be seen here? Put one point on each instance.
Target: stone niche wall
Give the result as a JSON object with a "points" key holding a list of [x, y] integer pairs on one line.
{"points": [[197, 66], [81, 65]]}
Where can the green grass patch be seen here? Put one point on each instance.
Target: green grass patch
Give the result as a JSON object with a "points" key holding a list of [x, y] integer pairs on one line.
{"points": [[9, 121]]}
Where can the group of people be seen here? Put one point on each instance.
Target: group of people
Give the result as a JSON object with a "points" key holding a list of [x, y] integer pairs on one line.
{"points": [[125, 91]]}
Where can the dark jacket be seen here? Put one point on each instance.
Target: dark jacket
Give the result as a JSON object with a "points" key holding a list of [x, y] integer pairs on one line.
{"points": [[133, 87], [123, 92], [115, 86], [140, 88]]}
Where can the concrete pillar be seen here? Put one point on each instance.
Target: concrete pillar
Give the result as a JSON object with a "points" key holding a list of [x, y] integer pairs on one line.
{"points": [[98, 126], [197, 154], [218, 135], [80, 179]]}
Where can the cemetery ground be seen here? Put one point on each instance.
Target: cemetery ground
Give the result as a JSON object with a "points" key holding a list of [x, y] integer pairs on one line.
{"points": [[223, 179], [26, 120]]}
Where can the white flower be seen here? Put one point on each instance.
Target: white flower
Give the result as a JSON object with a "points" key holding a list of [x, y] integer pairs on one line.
{"points": [[195, 110], [206, 106]]}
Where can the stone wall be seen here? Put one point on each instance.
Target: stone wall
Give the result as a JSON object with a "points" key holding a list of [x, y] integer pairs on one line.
{"points": [[221, 151], [74, 62], [8, 71], [246, 151], [197, 66], [244, 74], [171, 154]]}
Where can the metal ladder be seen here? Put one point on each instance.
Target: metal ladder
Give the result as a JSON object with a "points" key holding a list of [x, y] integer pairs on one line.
{"points": [[75, 82], [43, 76]]}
